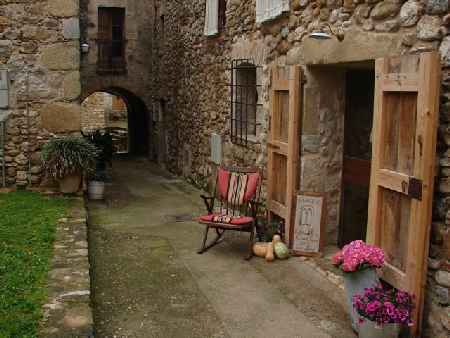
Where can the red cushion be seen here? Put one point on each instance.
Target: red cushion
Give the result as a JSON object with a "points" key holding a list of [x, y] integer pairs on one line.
{"points": [[238, 220], [241, 220], [223, 180], [207, 218], [252, 186]]}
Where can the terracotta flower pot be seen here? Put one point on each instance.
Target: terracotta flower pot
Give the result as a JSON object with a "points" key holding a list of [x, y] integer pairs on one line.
{"points": [[369, 329], [355, 283], [70, 184]]}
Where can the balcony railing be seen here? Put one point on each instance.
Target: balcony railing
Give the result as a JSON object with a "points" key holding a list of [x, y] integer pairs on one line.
{"points": [[111, 57]]}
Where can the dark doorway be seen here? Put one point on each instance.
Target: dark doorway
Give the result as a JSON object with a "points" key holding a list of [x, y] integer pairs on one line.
{"points": [[357, 155], [138, 125]]}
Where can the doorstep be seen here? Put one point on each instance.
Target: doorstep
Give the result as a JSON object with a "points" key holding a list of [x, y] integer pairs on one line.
{"points": [[324, 266]]}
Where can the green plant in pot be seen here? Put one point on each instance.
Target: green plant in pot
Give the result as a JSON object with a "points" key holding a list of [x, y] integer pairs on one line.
{"points": [[104, 143], [67, 159]]}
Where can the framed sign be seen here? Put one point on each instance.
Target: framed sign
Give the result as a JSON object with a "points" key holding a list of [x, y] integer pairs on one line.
{"points": [[308, 229]]}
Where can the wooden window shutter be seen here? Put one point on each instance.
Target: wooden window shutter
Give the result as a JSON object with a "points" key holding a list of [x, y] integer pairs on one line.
{"points": [[212, 17], [270, 9], [261, 10], [104, 24]]}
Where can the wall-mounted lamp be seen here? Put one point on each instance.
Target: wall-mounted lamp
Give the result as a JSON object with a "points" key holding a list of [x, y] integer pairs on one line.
{"points": [[85, 48], [320, 35]]}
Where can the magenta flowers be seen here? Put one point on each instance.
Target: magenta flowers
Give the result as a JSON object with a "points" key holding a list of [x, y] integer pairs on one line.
{"points": [[385, 306], [357, 256]]}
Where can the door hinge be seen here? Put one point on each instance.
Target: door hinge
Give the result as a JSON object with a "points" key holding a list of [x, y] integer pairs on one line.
{"points": [[415, 188]]}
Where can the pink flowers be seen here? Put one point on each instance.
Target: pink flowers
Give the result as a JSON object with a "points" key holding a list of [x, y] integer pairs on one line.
{"points": [[385, 306], [358, 255]]}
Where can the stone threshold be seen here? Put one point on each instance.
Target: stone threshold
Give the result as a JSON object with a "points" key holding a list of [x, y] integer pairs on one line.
{"points": [[324, 266], [67, 312]]}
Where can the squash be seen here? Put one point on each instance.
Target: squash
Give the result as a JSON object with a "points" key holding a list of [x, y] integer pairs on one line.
{"points": [[260, 249], [276, 238], [269, 255], [281, 250]]}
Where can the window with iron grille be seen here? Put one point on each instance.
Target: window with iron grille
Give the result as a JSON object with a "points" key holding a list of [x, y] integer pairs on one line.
{"points": [[111, 40], [244, 101]]}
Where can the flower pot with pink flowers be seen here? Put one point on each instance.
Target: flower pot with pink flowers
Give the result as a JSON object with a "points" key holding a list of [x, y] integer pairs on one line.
{"points": [[383, 311], [359, 262]]}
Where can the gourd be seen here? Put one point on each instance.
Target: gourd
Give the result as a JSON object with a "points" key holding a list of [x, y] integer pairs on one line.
{"points": [[269, 255], [260, 249], [281, 250]]}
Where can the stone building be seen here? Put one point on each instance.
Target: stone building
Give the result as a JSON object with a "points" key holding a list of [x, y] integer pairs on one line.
{"points": [[181, 67], [49, 74], [201, 44]]}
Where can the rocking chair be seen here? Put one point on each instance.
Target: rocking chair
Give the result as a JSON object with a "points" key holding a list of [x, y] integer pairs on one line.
{"points": [[237, 192]]}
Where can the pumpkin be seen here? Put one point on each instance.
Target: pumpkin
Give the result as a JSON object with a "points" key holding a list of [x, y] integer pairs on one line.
{"points": [[260, 249], [281, 250], [269, 255]]}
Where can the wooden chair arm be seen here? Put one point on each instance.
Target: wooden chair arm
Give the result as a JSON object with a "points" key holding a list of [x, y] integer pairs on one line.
{"points": [[209, 203]]}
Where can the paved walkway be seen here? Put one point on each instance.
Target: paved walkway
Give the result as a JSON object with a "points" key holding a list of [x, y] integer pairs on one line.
{"points": [[148, 280]]}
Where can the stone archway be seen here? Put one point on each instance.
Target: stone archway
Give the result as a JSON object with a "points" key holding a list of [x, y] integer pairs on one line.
{"points": [[139, 120]]}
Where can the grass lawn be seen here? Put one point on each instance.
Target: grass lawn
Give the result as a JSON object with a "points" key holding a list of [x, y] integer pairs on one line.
{"points": [[27, 230]]}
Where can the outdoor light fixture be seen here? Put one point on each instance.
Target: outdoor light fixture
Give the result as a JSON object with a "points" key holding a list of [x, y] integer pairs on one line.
{"points": [[325, 36], [85, 48]]}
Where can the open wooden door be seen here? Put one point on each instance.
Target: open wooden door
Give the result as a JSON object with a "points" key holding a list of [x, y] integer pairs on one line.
{"points": [[283, 144], [403, 167]]}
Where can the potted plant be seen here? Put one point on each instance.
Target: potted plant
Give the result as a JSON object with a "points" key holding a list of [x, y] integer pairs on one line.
{"points": [[383, 311], [104, 143], [96, 186], [359, 262], [66, 159]]}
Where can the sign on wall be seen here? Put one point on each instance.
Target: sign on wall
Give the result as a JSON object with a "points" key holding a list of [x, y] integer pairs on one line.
{"points": [[308, 234]]}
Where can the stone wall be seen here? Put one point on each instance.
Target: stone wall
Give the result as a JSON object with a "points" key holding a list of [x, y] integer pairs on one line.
{"points": [[94, 111], [191, 72], [138, 52], [42, 57]]}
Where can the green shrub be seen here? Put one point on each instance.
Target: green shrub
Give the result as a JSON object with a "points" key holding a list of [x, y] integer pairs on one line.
{"points": [[68, 155]]}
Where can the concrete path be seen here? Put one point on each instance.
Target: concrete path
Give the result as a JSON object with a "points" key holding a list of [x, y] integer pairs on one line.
{"points": [[148, 280]]}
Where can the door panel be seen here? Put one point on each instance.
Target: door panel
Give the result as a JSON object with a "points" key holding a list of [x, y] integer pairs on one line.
{"points": [[403, 168], [283, 144]]}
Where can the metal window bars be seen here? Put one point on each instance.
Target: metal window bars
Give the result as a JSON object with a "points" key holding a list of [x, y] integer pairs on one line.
{"points": [[244, 100]]}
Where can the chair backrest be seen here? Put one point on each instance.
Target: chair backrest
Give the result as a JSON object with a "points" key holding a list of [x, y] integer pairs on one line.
{"points": [[236, 187]]}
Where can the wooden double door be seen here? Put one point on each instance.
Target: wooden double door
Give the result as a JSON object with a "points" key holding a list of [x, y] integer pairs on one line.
{"points": [[402, 163]]}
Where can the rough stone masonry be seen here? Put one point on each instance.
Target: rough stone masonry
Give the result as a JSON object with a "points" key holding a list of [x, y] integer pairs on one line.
{"points": [[192, 73], [39, 46], [171, 61]]}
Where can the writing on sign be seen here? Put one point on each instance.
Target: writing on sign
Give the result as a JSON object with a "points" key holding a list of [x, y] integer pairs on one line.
{"points": [[309, 224]]}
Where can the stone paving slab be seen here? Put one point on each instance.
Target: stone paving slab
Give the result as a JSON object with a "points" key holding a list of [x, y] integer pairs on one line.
{"points": [[67, 312]]}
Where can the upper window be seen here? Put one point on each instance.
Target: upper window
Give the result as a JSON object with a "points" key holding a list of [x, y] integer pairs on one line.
{"points": [[215, 16], [244, 101], [111, 39], [270, 9]]}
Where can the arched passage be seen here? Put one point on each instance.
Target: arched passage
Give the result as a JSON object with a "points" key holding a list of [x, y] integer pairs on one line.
{"points": [[138, 127]]}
